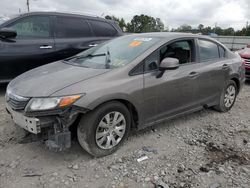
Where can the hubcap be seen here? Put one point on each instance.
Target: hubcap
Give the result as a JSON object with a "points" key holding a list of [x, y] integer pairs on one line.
{"points": [[229, 96], [110, 130]]}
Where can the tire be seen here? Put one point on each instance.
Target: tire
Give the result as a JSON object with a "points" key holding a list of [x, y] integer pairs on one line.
{"points": [[224, 104], [99, 137]]}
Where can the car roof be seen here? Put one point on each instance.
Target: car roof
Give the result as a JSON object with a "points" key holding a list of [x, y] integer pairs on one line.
{"points": [[170, 35], [66, 14]]}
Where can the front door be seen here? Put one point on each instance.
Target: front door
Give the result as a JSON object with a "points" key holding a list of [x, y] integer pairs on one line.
{"points": [[174, 91], [33, 46]]}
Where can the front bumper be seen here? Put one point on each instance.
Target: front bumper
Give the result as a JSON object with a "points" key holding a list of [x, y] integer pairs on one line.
{"points": [[53, 129], [32, 125]]}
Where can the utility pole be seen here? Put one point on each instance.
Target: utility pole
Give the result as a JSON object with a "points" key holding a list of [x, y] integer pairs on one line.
{"points": [[246, 28], [28, 5], [215, 26]]}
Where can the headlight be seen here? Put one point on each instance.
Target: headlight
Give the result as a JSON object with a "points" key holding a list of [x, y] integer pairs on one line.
{"points": [[37, 104]]}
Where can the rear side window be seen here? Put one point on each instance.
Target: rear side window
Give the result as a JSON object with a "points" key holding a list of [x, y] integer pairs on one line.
{"points": [[102, 29], [69, 27], [208, 50], [32, 27]]}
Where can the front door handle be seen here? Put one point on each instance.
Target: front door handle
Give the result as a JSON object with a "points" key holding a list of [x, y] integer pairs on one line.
{"points": [[45, 47], [193, 74], [93, 45]]}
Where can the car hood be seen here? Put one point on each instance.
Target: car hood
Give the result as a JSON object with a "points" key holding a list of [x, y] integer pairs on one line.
{"points": [[48, 79]]}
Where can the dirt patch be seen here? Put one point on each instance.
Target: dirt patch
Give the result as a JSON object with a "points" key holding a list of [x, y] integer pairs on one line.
{"points": [[221, 154]]}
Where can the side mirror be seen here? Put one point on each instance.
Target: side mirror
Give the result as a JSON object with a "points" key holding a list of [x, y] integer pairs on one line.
{"points": [[7, 33], [167, 64]]}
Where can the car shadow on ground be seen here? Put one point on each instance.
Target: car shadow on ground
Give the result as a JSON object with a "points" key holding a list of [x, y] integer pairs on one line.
{"points": [[78, 153], [3, 88], [247, 82]]}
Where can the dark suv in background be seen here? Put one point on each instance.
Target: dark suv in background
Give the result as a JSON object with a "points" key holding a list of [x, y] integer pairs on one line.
{"points": [[33, 39]]}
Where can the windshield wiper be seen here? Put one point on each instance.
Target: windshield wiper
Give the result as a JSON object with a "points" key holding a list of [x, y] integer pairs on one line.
{"points": [[86, 56], [107, 60]]}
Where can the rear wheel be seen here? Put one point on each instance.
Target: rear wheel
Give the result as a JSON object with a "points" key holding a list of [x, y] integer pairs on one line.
{"points": [[102, 131], [228, 97]]}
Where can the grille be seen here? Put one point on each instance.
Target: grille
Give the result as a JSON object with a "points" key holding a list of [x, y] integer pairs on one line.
{"points": [[247, 61], [16, 102], [17, 105]]}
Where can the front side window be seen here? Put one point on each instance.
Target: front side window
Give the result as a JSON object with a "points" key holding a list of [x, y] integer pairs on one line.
{"points": [[181, 50], [102, 29], [115, 53], [67, 27], [32, 27], [151, 62], [208, 50]]}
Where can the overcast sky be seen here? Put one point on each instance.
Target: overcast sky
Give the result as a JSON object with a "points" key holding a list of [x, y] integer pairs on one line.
{"points": [[226, 13]]}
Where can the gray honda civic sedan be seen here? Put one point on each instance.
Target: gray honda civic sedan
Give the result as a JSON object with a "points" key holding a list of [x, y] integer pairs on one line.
{"points": [[130, 82]]}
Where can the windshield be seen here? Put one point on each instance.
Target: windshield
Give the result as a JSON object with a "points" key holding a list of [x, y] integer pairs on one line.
{"points": [[4, 19], [113, 54]]}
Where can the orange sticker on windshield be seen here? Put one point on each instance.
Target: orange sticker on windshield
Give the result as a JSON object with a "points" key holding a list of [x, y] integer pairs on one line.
{"points": [[135, 43]]}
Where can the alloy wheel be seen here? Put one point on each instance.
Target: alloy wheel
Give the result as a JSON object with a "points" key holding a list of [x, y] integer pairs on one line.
{"points": [[110, 130], [230, 95]]}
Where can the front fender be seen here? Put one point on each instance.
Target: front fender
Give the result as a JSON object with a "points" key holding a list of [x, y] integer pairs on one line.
{"points": [[90, 102]]}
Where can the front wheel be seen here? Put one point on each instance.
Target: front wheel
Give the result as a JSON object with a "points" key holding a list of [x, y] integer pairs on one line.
{"points": [[101, 131], [227, 98]]}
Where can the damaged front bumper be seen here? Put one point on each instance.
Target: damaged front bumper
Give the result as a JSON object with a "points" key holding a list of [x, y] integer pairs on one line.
{"points": [[51, 127]]}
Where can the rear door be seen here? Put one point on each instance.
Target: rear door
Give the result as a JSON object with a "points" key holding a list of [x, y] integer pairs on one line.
{"points": [[33, 46], [213, 71], [102, 30], [72, 35]]}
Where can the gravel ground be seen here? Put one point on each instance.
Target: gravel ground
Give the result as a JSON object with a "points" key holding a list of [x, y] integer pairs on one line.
{"points": [[204, 149]]}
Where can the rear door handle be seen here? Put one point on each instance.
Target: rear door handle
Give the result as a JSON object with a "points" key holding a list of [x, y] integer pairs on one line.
{"points": [[225, 66], [45, 47], [193, 74], [93, 45]]}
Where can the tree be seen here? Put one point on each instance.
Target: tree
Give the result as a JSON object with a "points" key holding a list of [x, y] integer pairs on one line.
{"points": [[218, 30], [159, 25], [200, 27], [121, 22], [184, 28], [144, 23], [207, 30], [228, 31]]}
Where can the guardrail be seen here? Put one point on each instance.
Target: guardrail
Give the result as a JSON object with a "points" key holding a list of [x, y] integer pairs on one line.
{"points": [[233, 42]]}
